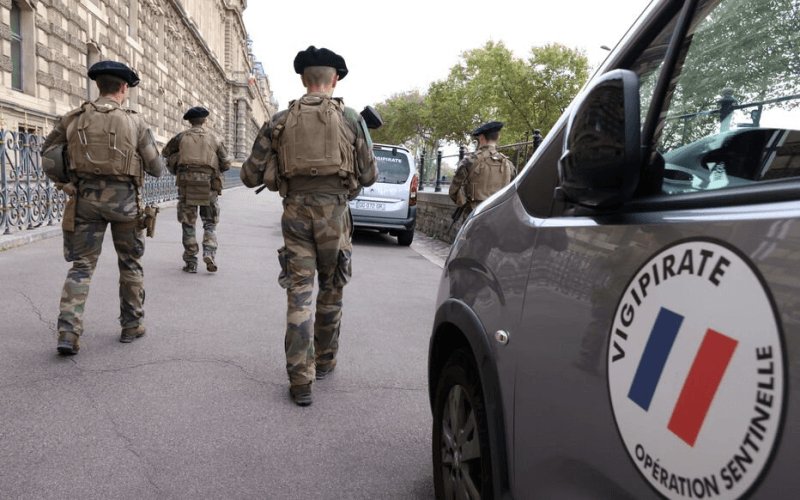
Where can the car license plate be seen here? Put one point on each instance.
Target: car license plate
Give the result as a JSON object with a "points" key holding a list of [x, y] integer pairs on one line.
{"points": [[370, 205]]}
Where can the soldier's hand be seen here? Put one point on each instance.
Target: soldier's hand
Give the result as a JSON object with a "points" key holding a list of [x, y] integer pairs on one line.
{"points": [[69, 189]]}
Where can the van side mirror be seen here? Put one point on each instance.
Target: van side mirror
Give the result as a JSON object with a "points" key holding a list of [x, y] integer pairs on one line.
{"points": [[602, 158]]}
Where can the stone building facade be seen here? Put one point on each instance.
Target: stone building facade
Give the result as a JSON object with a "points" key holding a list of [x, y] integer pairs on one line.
{"points": [[186, 53]]}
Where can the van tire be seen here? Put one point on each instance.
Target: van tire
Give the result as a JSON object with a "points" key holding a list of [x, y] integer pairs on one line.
{"points": [[404, 238]]}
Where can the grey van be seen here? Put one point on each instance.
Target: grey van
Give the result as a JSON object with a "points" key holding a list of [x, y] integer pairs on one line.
{"points": [[389, 205], [623, 320]]}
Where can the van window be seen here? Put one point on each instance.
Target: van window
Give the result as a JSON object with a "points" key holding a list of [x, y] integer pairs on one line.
{"points": [[733, 117], [392, 169]]}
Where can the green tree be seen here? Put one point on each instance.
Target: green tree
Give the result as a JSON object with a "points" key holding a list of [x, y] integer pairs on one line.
{"points": [[404, 117], [491, 84]]}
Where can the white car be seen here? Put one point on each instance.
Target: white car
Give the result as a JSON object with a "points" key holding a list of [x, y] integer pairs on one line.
{"points": [[390, 205]]}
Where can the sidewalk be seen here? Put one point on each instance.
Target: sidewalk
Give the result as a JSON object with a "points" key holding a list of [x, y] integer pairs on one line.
{"points": [[199, 407]]}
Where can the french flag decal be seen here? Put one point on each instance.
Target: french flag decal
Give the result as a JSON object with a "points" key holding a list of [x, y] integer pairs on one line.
{"points": [[700, 387]]}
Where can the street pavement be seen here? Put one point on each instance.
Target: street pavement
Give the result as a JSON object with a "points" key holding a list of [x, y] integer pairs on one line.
{"points": [[199, 407]]}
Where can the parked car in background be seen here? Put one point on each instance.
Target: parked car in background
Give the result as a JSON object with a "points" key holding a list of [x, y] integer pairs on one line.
{"points": [[390, 205], [623, 320]]}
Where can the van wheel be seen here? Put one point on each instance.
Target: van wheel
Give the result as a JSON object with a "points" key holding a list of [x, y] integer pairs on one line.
{"points": [[404, 238], [462, 463]]}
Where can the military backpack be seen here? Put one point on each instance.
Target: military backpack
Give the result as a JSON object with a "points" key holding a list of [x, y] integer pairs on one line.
{"points": [[197, 148], [102, 141], [313, 141], [490, 173]]}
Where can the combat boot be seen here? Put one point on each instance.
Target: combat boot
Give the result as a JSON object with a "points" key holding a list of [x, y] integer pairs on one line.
{"points": [[211, 266], [190, 267], [301, 394], [131, 334], [324, 370], [67, 343]]}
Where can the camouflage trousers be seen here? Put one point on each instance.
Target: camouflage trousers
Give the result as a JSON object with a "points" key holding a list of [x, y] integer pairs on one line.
{"points": [[316, 232], [100, 203], [187, 216]]}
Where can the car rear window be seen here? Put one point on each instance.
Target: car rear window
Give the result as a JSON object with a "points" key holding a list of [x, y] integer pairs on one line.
{"points": [[392, 169]]}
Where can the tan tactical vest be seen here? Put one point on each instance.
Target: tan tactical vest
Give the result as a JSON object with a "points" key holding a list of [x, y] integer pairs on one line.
{"points": [[313, 140], [198, 148], [197, 151], [490, 173], [102, 140]]}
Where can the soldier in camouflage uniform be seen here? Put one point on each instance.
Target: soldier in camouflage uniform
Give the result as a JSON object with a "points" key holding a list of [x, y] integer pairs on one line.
{"points": [[483, 172], [318, 155], [109, 149], [197, 157]]}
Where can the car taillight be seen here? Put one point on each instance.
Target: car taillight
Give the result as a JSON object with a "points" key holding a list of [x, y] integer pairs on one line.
{"points": [[412, 196]]}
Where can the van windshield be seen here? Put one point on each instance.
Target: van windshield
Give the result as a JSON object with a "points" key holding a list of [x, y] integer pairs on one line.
{"points": [[392, 169]]}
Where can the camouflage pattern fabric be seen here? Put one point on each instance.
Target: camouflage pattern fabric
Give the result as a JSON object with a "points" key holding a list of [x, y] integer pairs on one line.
{"points": [[316, 228], [101, 202], [209, 215], [187, 212], [316, 232]]}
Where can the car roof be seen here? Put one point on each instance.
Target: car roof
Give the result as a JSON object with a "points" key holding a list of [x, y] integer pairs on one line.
{"points": [[390, 146]]}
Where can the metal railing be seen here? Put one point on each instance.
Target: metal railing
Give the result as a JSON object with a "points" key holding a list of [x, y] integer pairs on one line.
{"points": [[28, 199], [727, 105], [519, 159]]}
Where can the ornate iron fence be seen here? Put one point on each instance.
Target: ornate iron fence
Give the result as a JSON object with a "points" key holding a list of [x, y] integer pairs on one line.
{"points": [[28, 199]]}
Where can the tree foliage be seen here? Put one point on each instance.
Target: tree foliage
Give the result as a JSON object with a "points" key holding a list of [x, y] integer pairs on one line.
{"points": [[488, 84], [404, 116]]}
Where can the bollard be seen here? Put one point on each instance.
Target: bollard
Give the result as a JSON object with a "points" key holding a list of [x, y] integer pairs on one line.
{"points": [[438, 187], [726, 106], [537, 139], [422, 172]]}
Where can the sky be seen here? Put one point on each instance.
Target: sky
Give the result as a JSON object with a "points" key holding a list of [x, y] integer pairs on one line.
{"points": [[395, 47]]}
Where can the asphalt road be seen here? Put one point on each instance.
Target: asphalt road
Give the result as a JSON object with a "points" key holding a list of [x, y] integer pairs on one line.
{"points": [[199, 407]]}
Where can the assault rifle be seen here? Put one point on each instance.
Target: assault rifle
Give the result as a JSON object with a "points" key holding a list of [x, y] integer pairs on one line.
{"points": [[456, 216]]}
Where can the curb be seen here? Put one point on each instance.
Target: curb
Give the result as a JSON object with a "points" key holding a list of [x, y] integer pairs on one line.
{"points": [[28, 236]]}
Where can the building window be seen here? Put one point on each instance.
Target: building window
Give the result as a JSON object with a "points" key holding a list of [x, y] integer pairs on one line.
{"points": [[132, 11], [16, 47]]}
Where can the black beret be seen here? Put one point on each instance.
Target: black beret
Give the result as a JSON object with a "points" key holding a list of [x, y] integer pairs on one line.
{"points": [[114, 68], [487, 128], [313, 56], [371, 117], [195, 112]]}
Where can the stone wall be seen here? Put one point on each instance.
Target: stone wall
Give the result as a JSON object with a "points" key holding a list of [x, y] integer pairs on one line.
{"points": [[435, 214]]}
